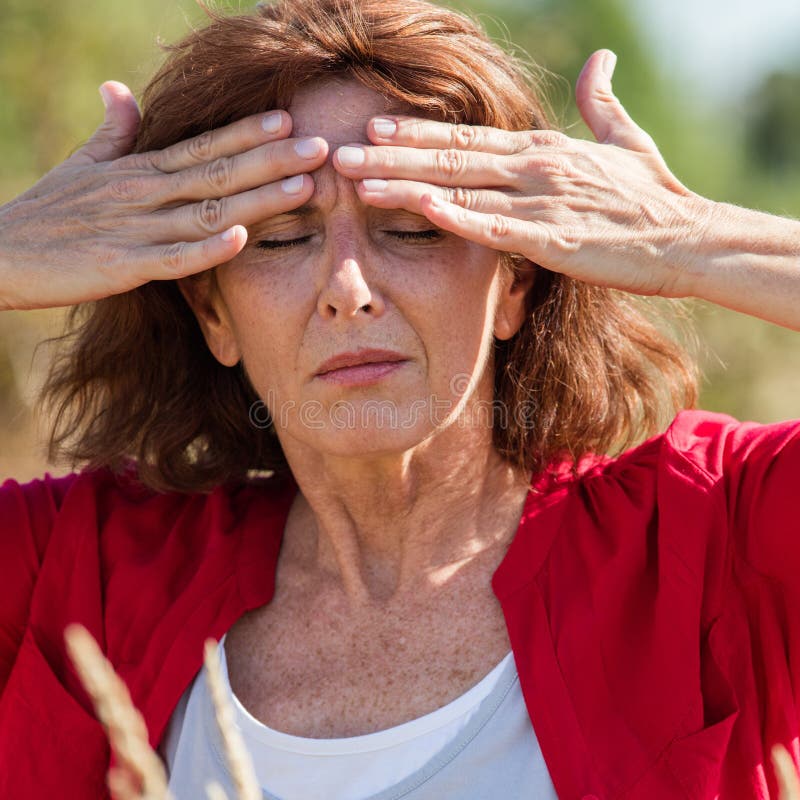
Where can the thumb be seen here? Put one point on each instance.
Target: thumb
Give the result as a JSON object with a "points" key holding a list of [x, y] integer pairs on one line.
{"points": [[115, 137], [600, 109]]}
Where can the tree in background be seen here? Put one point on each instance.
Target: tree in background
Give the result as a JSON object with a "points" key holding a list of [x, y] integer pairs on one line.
{"points": [[773, 129]]}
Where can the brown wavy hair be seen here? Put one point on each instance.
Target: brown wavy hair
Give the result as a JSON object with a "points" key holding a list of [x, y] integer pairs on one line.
{"points": [[591, 369]]}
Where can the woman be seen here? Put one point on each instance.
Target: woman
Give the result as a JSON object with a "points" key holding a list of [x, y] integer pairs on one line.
{"points": [[347, 247]]}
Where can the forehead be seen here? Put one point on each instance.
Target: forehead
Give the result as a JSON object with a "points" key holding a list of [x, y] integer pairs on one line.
{"points": [[338, 110]]}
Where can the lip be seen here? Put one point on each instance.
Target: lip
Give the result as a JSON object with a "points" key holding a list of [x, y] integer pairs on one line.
{"points": [[358, 358], [361, 374]]}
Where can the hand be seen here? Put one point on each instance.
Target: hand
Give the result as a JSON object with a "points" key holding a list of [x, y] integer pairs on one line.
{"points": [[105, 222], [609, 213]]}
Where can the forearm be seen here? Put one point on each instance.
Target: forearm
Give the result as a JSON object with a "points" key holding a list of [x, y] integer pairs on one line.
{"points": [[749, 261]]}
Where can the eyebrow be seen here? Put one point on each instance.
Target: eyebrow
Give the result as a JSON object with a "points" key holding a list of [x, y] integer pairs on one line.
{"points": [[309, 208], [305, 210]]}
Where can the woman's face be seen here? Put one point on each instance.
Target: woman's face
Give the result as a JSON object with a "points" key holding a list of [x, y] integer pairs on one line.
{"points": [[339, 276]]}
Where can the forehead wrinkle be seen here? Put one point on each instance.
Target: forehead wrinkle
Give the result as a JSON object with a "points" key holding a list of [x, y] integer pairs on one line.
{"points": [[342, 112]]}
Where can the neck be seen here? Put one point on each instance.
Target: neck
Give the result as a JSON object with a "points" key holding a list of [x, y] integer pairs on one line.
{"points": [[383, 527]]}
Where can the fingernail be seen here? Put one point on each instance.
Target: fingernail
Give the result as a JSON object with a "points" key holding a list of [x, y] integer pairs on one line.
{"points": [[609, 62], [351, 156], [229, 235], [271, 123], [105, 95], [308, 148], [385, 128], [293, 185], [374, 184]]}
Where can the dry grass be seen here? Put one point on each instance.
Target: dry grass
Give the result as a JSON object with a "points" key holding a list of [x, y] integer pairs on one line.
{"points": [[788, 779], [140, 773], [239, 762]]}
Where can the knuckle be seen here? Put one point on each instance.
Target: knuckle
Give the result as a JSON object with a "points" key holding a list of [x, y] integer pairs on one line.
{"points": [[218, 174], [548, 165], [462, 136], [450, 162], [466, 198], [604, 94], [209, 215], [201, 147], [414, 130], [139, 161], [547, 203], [126, 189], [391, 160], [106, 259], [498, 226], [173, 257], [549, 138], [111, 266]]}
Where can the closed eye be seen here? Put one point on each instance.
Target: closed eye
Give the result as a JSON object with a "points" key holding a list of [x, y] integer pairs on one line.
{"points": [[275, 244], [431, 234]]}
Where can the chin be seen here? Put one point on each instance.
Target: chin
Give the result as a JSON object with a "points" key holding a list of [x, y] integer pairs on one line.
{"points": [[368, 441]]}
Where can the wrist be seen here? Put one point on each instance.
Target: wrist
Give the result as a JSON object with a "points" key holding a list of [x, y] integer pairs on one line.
{"points": [[747, 261], [693, 242]]}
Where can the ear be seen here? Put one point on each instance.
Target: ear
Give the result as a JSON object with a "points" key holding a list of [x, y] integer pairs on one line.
{"points": [[202, 293], [511, 305]]}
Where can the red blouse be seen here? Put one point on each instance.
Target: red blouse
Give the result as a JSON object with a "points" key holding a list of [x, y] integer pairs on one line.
{"points": [[653, 605]]}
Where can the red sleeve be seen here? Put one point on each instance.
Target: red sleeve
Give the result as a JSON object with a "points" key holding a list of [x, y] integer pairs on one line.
{"points": [[752, 650], [27, 515], [758, 469]]}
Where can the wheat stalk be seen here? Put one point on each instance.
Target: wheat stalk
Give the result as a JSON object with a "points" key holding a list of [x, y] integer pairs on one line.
{"points": [[141, 774], [788, 781], [239, 761], [215, 792]]}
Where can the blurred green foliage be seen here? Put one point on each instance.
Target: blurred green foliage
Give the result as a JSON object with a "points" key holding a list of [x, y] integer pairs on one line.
{"points": [[54, 55], [772, 133]]}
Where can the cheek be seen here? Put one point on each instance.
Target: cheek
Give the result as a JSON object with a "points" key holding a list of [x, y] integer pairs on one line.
{"points": [[453, 308], [265, 312]]}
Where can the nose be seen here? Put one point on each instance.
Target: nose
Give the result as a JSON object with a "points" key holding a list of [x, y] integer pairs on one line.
{"points": [[345, 293]]}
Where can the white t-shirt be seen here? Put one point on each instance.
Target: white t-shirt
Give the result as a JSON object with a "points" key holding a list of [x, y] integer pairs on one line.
{"points": [[431, 756]]}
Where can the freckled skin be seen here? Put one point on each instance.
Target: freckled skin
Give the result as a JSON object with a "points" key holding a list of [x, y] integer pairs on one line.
{"points": [[383, 608], [417, 293], [309, 666]]}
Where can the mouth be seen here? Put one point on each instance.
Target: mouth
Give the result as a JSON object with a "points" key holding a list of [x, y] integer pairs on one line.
{"points": [[361, 368], [360, 358]]}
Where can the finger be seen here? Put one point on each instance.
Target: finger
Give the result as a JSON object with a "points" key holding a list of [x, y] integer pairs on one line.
{"points": [[229, 175], [200, 220], [497, 231], [115, 137], [423, 133], [449, 167], [408, 195], [786, 773], [244, 134], [177, 260], [601, 110]]}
